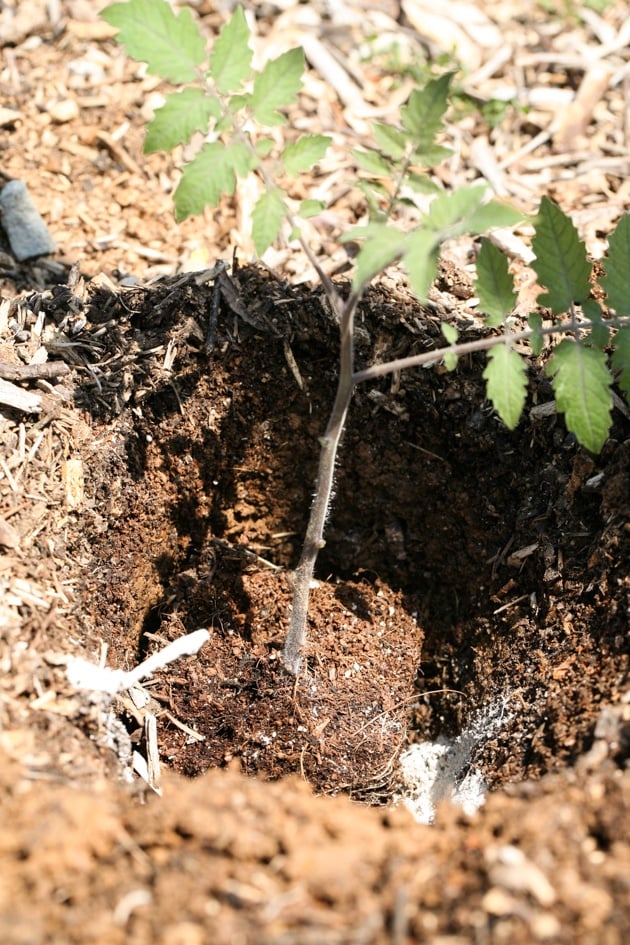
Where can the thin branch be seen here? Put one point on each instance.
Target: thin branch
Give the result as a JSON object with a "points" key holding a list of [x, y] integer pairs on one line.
{"points": [[245, 138], [469, 347], [22, 372]]}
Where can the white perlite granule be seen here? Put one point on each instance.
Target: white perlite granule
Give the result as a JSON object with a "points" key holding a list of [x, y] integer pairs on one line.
{"points": [[435, 771]]}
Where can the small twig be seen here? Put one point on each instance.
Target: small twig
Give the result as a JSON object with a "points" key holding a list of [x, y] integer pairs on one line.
{"points": [[195, 736], [242, 551], [28, 372], [512, 603]]}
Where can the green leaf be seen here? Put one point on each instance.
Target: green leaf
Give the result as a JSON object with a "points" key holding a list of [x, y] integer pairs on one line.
{"points": [[310, 208], [581, 382], [430, 155], [421, 260], [237, 102], [225, 123], [210, 174], [617, 265], [277, 87], [592, 310], [264, 146], [491, 214], [465, 210], [422, 184], [171, 45], [449, 211], [506, 378], [450, 332], [422, 115], [376, 196], [561, 264], [373, 163], [383, 244], [176, 121], [389, 140], [303, 154], [230, 63], [536, 340], [267, 218], [494, 284], [599, 334], [621, 359], [361, 233]]}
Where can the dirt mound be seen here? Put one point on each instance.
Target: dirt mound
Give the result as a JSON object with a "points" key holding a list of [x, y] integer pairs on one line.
{"points": [[226, 859]]}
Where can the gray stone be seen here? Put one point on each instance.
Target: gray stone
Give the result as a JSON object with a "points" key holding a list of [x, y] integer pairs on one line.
{"points": [[27, 233]]}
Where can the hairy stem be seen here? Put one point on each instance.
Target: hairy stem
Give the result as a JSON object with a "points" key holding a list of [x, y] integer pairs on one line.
{"points": [[314, 540], [469, 347]]}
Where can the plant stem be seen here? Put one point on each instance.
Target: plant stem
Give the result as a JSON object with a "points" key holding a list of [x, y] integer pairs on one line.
{"points": [[469, 347], [314, 540], [348, 380]]}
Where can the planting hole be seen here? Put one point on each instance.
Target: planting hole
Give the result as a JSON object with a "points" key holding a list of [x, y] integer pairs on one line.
{"points": [[459, 557]]}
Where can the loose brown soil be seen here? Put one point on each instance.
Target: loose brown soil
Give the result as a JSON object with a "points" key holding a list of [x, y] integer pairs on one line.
{"points": [[469, 574]]}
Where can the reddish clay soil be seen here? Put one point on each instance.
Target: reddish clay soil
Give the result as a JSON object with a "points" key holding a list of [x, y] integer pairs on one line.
{"points": [[471, 577]]}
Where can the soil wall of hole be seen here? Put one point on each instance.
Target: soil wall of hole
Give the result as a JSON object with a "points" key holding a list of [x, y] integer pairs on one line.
{"points": [[460, 557]]}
